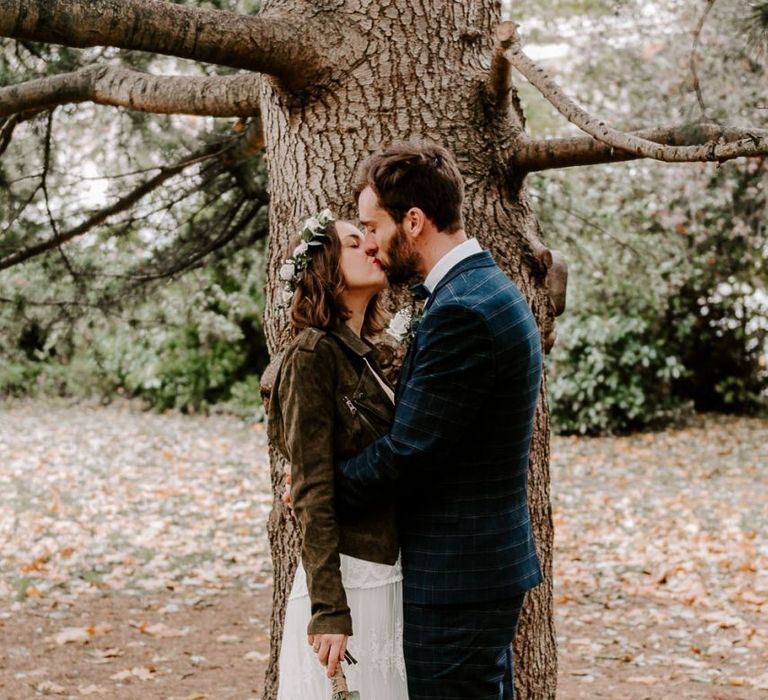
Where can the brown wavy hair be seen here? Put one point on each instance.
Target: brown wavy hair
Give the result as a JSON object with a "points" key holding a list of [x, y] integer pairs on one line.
{"points": [[318, 299]]}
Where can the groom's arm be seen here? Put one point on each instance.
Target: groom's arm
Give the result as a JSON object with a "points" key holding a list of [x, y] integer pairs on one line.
{"points": [[451, 382]]}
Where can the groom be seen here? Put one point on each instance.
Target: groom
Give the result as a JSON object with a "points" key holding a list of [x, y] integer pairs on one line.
{"points": [[456, 457]]}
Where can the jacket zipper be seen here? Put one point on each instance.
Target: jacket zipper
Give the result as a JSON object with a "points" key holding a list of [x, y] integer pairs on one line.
{"points": [[355, 411], [350, 405]]}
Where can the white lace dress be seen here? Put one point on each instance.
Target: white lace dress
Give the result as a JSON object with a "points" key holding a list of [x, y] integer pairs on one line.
{"points": [[375, 597]]}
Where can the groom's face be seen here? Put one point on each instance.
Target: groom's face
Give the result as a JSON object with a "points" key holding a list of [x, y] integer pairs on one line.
{"points": [[386, 240]]}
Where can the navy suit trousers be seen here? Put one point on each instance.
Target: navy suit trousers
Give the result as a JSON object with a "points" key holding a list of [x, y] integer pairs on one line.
{"points": [[461, 652]]}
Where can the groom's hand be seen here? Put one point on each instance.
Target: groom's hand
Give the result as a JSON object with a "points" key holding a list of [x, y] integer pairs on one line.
{"points": [[329, 648]]}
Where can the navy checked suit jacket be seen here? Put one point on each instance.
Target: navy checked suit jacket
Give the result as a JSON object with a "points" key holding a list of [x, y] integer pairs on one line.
{"points": [[456, 457]]}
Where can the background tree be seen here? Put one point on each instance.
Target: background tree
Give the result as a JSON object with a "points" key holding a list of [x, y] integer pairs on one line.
{"points": [[329, 82]]}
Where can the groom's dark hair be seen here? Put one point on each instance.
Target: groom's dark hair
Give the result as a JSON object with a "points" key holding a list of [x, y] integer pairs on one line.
{"points": [[416, 173]]}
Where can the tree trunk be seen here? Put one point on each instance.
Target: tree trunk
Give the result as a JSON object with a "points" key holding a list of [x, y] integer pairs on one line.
{"points": [[423, 73]]}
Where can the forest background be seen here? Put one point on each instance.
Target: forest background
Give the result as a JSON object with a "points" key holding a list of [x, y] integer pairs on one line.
{"points": [[668, 293]]}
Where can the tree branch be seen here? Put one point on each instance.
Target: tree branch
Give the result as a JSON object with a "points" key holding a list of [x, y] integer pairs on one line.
{"points": [[754, 143], [103, 215], [288, 50], [695, 55], [499, 84], [7, 128], [218, 96], [547, 154]]}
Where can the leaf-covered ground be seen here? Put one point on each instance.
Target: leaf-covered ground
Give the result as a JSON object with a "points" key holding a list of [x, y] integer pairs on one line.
{"points": [[133, 558]]}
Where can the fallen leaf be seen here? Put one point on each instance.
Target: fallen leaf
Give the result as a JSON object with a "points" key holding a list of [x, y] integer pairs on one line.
{"points": [[642, 680], [72, 635], [143, 673], [162, 631]]}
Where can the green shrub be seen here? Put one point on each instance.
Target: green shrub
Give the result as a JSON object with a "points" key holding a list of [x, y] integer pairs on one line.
{"points": [[611, 374]]}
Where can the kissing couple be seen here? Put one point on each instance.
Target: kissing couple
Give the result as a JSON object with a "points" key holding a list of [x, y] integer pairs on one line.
{"points": [[412, 501]]}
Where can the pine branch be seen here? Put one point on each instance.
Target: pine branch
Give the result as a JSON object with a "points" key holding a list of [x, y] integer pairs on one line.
{"points": [[289, 49], [8, 126], [695, 55], [218, 96], [753, 142], [123, 204], [547, 154]]}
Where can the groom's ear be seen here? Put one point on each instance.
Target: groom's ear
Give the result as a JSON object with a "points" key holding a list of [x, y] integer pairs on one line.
{"points": [[414, 222]]}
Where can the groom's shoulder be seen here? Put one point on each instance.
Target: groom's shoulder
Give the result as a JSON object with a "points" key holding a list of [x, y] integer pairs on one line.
{"points": [[483, 285]]}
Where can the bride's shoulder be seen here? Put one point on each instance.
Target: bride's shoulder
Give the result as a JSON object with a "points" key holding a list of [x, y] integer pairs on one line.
{"points": [[308, 340], [311, 346]]}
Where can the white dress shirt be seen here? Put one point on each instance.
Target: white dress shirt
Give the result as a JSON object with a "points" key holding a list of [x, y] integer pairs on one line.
{"points": [[449, 261]]}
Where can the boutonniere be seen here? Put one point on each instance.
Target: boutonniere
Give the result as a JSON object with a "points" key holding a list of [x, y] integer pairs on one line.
{"points": [[403, 325]]}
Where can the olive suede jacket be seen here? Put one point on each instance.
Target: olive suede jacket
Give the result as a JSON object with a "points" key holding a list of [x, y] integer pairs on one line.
{"points": [[326, 406]]}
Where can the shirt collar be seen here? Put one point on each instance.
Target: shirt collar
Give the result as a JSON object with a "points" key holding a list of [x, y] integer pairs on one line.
{"points": [[450, 260]]}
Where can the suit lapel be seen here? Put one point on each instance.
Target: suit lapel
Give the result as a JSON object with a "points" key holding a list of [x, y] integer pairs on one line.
{"points": [[405, 372], [481, 259]]}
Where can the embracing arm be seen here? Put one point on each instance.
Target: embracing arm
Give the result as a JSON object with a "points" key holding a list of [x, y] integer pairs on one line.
{"points": [[451, 380], [307, 405]]}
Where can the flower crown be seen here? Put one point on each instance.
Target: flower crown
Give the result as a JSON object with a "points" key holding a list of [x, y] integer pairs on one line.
{"points": [[312, 236]]}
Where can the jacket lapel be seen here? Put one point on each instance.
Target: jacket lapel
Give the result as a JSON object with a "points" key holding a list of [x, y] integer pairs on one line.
{"points": [[481, 259]]}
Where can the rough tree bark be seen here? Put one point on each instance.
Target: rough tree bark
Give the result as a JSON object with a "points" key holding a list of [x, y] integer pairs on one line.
{"points": [[342, 77], [423, 72]]}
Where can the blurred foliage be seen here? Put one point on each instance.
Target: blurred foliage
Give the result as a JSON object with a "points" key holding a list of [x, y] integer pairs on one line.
{"points": [[668, 306], [164, 301]]}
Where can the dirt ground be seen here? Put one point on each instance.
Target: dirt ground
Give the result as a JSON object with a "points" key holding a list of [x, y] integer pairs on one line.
{"points": [[133, 559]]}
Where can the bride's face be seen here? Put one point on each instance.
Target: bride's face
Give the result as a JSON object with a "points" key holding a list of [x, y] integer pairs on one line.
{"points": [[362, 272]]}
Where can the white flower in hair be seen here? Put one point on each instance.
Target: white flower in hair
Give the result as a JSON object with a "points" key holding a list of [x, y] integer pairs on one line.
{"points": [[312, 235], [287, 271], [300, 249]]}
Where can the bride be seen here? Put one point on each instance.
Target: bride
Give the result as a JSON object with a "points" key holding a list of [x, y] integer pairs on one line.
{"points": [[328, 402]]}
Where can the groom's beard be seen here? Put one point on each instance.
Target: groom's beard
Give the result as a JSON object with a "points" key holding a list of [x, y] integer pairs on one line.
{"points": [[403, 262]]}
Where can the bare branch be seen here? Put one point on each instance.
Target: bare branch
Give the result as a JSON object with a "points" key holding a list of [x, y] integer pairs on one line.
{"points": [[695, 55], [231, 227], [270, 44], [754, 143], [547, 154], [46, 197], [99, 217], [218, 96], [7, 128]]}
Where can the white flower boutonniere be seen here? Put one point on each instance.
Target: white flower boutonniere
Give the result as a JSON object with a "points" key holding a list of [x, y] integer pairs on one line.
{"points": [[403, 325]]}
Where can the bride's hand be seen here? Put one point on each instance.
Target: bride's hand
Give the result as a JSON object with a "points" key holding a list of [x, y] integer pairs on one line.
{"points": [[286, 496], [329, 648]]}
